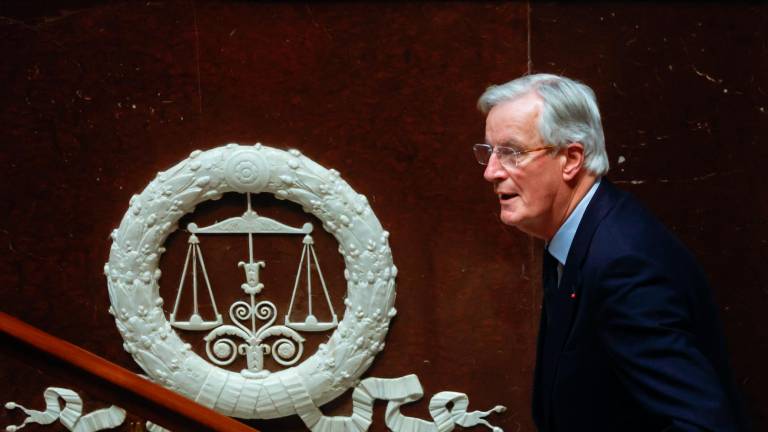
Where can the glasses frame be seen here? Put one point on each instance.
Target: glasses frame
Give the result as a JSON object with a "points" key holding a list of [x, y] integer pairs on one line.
{"points": [[503, 153]]}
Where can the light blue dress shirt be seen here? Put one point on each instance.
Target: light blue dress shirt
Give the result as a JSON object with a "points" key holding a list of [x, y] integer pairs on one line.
{"points": [[560, 244]]}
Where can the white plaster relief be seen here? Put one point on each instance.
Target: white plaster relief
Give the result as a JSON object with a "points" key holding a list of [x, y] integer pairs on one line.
{"points": [[221, 346], [70, 415], [151, 427], [133, 278], [255, 392], [398, 391]]}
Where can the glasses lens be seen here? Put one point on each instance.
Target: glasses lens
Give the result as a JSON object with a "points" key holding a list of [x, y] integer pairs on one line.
{"points": [[482, 153]]}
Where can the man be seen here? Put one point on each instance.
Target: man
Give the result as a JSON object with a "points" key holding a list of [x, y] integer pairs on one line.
{"points": [[629, 337]]}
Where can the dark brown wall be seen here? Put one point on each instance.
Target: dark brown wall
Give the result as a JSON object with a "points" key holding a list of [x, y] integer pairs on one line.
{"points": [[100, 97], [684, 94]]}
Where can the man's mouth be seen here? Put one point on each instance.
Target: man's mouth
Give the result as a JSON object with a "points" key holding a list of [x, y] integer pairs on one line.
{"points": [[505, 196]]}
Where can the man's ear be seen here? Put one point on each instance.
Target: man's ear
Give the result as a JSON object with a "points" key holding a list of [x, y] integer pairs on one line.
{"points": [[574, 160]]}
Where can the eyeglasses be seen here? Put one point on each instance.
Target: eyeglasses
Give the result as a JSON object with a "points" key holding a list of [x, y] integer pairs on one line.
{"points": [[508, 156]]}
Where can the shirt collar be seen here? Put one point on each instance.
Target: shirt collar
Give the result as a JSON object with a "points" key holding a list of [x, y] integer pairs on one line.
{"points": [[561, 242]]}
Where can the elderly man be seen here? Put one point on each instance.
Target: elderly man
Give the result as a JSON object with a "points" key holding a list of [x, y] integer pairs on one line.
{"points": [[629, 337]]}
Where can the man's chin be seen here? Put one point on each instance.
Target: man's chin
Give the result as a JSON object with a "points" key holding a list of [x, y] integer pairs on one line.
{"points": [[519, 222], [509, 219]]}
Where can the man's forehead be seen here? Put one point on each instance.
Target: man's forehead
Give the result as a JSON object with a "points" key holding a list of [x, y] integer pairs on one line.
{"points": [[512, 123]]}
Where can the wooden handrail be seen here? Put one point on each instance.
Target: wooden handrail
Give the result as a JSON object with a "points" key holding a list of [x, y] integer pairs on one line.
{"points": [[119, 376]]}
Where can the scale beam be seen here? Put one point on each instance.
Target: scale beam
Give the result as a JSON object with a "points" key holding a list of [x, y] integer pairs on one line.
{"points": [[250, 223]]}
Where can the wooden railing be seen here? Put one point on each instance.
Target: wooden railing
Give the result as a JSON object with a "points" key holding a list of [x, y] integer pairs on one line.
{"points": [[119, 376]]}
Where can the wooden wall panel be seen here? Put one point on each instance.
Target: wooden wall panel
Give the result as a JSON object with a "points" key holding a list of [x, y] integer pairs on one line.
{"points": [[100, 95]]}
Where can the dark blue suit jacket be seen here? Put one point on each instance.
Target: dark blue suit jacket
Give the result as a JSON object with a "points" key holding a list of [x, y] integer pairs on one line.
{"points": [[631, 340]]}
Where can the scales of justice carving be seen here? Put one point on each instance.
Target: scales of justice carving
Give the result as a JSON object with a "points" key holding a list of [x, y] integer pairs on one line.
{"points": [[220, 346]]}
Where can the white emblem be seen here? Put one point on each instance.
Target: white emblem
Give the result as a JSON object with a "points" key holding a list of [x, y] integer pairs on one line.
{"points": [[133, 278]]}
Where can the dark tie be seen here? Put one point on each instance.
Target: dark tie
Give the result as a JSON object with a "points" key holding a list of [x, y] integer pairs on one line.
{"points": [[549, 279], [550, 352]]}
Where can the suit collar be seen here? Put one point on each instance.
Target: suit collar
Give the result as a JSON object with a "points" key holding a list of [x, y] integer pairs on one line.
{"points": [[605, 198], [561, 242]]}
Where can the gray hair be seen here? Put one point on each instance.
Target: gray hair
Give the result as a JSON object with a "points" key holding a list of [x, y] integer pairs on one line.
{"points": [[569, 114]]}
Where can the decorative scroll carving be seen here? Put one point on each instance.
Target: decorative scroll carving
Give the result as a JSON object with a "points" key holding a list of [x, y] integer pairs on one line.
{"points": [[71, 415], [151, 427], [398, 391]]}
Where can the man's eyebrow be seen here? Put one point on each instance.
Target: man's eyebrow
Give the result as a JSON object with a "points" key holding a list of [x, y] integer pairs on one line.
{"points": [[510, 142]]}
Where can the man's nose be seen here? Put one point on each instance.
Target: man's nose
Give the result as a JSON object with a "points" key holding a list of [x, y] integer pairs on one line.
{"points": [[494, 171]]}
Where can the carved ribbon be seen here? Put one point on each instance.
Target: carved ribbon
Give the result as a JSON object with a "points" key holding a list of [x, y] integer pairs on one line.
{"points": [[70, 416], [398, 391]]}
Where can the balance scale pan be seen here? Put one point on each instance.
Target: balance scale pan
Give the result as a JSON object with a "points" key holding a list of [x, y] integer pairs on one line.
{"points": [[196, 323], [311, 324]]}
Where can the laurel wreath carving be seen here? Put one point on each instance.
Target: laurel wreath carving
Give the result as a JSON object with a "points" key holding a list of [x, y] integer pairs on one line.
{"points": [[133, 278]]}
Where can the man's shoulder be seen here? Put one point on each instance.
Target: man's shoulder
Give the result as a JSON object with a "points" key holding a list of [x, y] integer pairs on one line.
{"points": [[630, 228], [631, 244], [630, 218]]}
